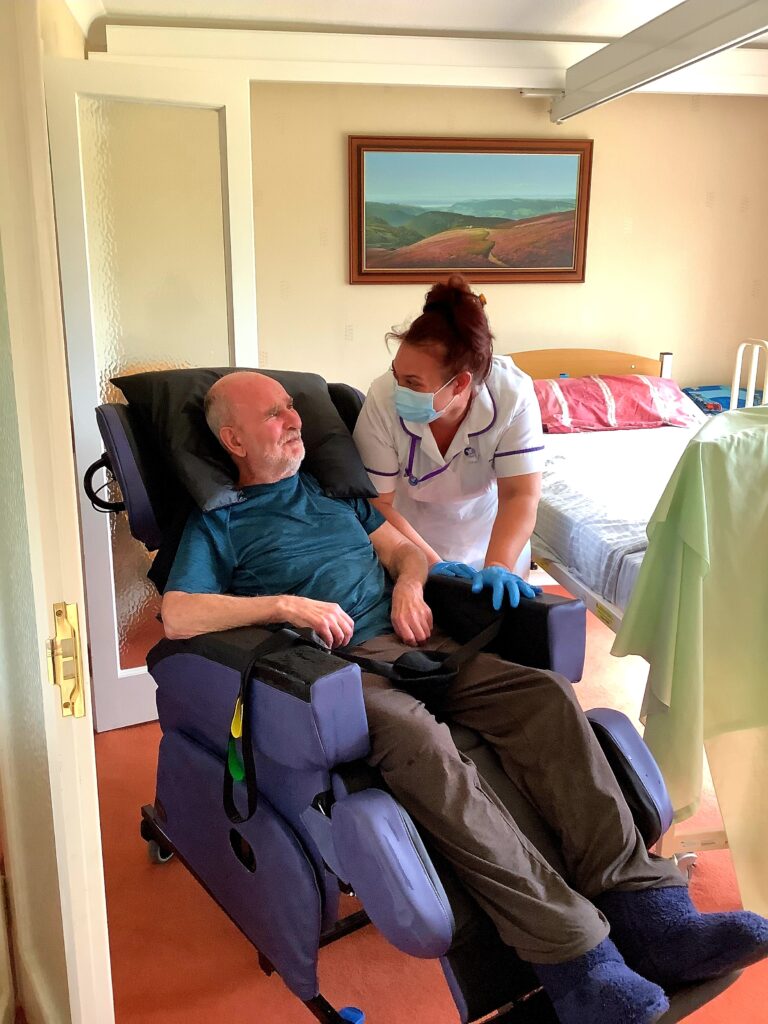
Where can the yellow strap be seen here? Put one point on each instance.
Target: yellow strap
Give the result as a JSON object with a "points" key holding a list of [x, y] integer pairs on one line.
{"points": [[237, 720]]}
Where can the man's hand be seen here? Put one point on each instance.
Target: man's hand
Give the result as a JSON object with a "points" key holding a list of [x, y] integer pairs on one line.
{"points": [[329, 621], [407, 565], [411, 615]]}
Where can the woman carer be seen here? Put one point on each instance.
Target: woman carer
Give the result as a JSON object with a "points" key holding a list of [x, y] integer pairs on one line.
{"points": [[451, 438]]}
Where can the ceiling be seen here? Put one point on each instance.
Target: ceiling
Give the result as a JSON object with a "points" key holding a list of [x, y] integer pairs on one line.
{"points": [[548, 19]]}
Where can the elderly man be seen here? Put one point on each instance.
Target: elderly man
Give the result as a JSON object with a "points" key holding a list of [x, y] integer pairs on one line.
{"points": [[289, 553]]}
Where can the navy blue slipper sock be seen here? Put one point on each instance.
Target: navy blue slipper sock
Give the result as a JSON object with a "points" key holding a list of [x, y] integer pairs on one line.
{"points": [[599, 988], [662, 936]]}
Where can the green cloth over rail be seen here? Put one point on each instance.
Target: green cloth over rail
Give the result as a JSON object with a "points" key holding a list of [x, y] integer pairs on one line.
{"points": [[699, 610]]}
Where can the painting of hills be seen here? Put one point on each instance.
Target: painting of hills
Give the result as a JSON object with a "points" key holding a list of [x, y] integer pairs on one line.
{"points": [[470, 211], [466, 242]]}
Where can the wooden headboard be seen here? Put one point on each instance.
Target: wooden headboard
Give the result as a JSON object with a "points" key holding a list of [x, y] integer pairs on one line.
{"points": [[582, 362]]}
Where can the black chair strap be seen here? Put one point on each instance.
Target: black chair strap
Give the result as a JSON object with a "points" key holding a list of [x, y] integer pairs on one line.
{"points": [[281, 639], [420, 664]]}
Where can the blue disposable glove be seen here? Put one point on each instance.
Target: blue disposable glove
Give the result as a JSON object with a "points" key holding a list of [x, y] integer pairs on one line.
{"points": [[502, 580], [457, 569]]}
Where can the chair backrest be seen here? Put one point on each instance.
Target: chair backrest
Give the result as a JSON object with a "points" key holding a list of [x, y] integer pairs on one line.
{"points": [[151, 496], [349, 402]]}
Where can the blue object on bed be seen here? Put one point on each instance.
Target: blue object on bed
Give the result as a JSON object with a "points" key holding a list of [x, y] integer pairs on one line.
{"points": [[714, 398]]}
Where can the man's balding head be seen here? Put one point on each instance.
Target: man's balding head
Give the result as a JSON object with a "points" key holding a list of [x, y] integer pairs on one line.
{"points": [[253, 418]]}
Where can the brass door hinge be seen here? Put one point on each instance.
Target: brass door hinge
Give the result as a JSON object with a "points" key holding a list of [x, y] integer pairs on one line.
{"points": [[65, 663]]}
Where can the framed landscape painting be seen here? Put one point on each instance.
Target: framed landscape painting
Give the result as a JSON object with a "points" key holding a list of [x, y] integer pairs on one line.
{"points": [[495, 209]]}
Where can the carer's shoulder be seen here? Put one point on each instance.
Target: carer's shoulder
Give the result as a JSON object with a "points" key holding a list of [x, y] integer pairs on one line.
{"points": [[508, 381]]}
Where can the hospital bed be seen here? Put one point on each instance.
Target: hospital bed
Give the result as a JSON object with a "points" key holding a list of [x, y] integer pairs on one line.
{"points": [[322, 821], [600, 488]]}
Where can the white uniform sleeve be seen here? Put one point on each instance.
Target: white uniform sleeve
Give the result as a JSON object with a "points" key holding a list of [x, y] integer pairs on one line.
{"points": [[520, 447], [376, 445]]}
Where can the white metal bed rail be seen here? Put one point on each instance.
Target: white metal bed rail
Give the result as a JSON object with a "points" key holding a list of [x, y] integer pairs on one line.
{"points": [[756, 345]]}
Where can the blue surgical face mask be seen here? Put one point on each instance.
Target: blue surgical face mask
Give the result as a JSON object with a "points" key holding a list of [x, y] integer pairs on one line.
{"points": [[419, 406]]}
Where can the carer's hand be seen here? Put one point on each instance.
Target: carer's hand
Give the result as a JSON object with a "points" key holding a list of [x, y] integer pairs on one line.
{"points": [[459, 570], [329, 621], [411, 615], [503, 581]]}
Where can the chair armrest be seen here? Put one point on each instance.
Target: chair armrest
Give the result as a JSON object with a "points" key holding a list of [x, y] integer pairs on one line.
{"points": [[306, 705], [547, 632]]}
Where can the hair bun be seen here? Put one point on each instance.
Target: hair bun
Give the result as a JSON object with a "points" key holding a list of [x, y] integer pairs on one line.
{"points": [[453, 317], [446, 296]]}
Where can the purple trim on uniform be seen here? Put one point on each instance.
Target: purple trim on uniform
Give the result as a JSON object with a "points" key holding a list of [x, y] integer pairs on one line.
{"points": [[408, 473], [408, 432], [415, 439], [520, 451], [437, 472], [476, 433], [378, 472]]}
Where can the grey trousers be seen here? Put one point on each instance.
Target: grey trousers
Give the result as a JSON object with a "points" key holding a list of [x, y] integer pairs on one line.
{"points": [[547, 747]]}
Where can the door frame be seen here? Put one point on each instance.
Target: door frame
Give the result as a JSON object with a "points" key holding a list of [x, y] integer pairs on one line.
{"points": [[66, 81], [50, 495]]}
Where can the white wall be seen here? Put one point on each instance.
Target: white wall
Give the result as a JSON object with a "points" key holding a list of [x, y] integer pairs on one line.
{"points": [[677, 246], [61, 35]]}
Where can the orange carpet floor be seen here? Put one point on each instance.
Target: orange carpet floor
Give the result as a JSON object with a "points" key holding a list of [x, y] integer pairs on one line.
{"points": [[177, 959]]}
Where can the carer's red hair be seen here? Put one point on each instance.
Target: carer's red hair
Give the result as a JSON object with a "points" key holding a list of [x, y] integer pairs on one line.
{"points": [[454, 318]]}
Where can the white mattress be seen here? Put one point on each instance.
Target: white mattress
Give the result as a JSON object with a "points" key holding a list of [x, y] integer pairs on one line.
{"points": [[599, 491]]}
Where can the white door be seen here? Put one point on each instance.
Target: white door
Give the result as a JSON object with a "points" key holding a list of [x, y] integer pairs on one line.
{"points": [[154, 211], [49, 813]]}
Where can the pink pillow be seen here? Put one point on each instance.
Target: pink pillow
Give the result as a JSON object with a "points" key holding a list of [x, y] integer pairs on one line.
{"points": [[571, 404]]}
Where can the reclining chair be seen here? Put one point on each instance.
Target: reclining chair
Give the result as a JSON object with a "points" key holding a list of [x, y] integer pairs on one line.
{"points": [[322, 820]]}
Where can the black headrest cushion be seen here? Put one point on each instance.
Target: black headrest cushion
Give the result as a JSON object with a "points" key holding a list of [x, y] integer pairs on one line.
{"points": [[170, 405]]}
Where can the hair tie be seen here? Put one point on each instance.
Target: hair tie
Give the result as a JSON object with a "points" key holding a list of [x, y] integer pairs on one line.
{"points": [[482, 298]]}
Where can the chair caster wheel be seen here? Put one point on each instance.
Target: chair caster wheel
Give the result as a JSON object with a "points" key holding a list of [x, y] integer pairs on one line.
{"points": [[352, 1014], [158, 854], [686, 863]]}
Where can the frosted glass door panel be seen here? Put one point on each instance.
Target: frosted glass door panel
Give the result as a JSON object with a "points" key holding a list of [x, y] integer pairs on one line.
{"points": [[152, 182]]}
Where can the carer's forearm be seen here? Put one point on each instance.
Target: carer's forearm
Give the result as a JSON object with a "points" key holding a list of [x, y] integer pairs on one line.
{"points": [[512, 529], [185, 615], [398, 520]]}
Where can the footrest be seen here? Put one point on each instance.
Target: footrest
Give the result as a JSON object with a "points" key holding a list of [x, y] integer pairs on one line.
{"points": [[686, 1001]]}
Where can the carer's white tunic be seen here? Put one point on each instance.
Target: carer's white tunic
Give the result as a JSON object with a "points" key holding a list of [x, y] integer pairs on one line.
{"points": [[451, 500]]}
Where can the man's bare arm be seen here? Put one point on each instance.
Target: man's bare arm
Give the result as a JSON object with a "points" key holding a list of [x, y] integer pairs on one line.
{"points": [[185, 615], [407, 565]]}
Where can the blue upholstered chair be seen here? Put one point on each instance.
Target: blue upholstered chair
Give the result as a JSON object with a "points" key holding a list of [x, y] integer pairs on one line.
{"points": [[324, 822]]}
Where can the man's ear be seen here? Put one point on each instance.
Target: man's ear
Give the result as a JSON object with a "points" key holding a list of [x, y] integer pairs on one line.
{"points": [[230, 441]]}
